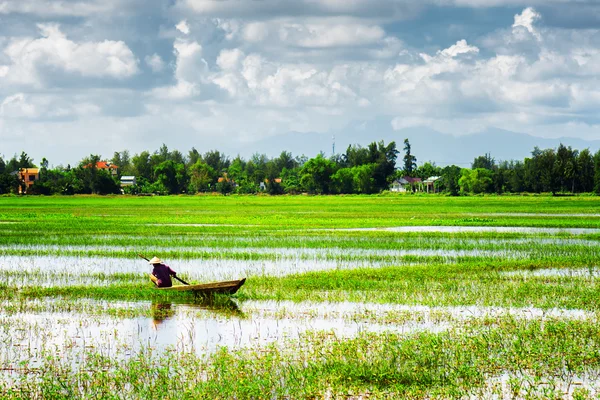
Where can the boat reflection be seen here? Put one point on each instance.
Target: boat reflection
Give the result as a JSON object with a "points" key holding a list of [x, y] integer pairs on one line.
{"points": [[218, 304]]}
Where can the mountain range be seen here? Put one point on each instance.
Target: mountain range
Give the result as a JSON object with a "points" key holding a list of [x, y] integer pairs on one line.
{"points": [[426, 144]]}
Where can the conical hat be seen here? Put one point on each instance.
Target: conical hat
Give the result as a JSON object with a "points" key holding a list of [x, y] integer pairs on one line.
{"points": [[155, 260]]}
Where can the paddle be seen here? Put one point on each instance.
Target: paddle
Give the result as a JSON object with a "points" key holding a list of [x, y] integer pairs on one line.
{"points": [[174, 276]]}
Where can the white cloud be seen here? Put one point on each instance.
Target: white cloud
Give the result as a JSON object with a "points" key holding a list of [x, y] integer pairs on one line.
{"points": [[30, 59], [56, 7], [230, 59], [330, 35], [230, 27], [461, 47], [191, 71], [526, 20], [277, 66], [45, 107], [190, 65], [255, 32], [155, 62], [17, 106], [183, 27]]}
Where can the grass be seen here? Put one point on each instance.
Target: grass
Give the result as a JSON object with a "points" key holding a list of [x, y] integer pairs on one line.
{"points": [[531, 358], [108, 214]]}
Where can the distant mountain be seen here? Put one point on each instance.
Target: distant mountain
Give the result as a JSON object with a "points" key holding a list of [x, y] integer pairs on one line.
{"points": [[426, 144]]}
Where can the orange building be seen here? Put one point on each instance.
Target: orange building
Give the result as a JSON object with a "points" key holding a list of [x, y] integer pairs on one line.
{"points": [[28, 176], [112, 168]]}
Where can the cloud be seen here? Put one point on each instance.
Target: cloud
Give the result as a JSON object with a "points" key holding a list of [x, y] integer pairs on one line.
{"points": [[326, 35], [191, 71], [255, 32], [183, 27], [230, 59], [270, 9], [31, 60], [526, 20], [229, 27], [277, 66], [55, 7], [46, 107], [155, 62], [190, 65], [461, 47], [16, 106]]}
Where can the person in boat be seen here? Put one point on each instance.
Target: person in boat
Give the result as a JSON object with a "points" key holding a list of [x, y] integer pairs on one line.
{"points": [[161, 273]]}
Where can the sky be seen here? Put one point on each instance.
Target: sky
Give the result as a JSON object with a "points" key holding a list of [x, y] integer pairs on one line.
{"points": [[81, 77]]}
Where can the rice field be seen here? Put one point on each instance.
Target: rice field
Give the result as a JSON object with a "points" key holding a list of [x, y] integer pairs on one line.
{"points": [[346, 297]]}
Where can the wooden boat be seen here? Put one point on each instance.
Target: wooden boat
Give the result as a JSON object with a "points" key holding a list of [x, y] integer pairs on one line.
{"points": [[225, 287]]}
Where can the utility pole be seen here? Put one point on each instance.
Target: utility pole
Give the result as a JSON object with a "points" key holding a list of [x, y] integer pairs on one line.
{"points": [[333, 145]]}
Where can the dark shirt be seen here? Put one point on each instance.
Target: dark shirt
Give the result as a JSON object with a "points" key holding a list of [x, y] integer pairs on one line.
{"points": [[163, 273]]}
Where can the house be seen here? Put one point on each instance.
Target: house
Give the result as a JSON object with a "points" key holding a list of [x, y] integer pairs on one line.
{"points": [[127, 180], [406, 184], [27, 176], [399, 185], [224, 178], [430, 184], [263, 185], [105, 165]]}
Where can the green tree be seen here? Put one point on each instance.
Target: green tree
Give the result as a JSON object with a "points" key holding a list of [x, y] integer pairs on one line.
{"points": [[450, 177], [363, 178], [88, 174], [193, 156], [355, 155], [224, 187], [256, 168], [585, 168], [285, 160], [385, 159], [8, 181], [410, 161], [476, 181], [216, 160], [343, 181], [485, 161], [427, 170], [123, 161], [597, 172], [202, 177], [290, 180], [141, 165], [172, 176], [546, 164], [565, 168], [315, 175]]}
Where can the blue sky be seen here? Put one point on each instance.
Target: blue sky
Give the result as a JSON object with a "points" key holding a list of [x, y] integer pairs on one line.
{"points": [[80, 77]]}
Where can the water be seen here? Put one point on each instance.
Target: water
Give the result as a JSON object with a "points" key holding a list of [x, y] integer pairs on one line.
{"points": [[204, 328], [459, 229], [593, 272], [72, 270]]}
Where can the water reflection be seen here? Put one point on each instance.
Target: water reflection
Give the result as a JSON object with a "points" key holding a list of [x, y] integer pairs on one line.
{"points": [[160, 312], [223, 305], [203, 328]]}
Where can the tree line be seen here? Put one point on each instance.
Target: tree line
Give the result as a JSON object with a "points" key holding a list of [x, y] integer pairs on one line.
{"points": [[359, 170]]}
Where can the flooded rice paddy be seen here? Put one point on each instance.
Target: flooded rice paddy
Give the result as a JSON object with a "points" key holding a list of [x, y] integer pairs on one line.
{"points": [[520, 302], [38, 328]]}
